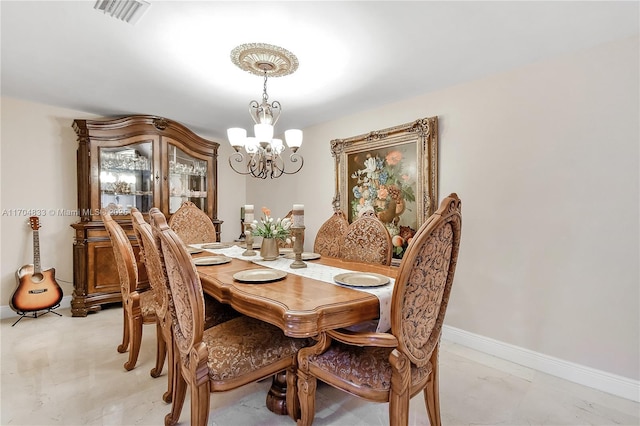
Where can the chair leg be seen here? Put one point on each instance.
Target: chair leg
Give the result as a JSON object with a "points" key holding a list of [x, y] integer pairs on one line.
{"points": [[173, 367], [122, 348], [293, 405], [161, 351], [398, 408], [200, 396], [399, 392], [135, 336], [178, 394], [307, 398], [432, 391]]}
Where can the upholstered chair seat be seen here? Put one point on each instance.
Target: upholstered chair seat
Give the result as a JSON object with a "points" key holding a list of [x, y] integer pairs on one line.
{"points": [[243, 345], [363, 367]]}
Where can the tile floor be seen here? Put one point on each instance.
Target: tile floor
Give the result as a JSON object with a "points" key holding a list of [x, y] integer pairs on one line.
{"points": [[66, 371]]}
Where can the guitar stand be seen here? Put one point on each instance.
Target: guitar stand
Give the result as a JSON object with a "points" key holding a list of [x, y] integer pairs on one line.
{"points": [[34, 314]]}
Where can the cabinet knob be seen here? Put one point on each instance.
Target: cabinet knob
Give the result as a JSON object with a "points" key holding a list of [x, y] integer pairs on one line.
{"points": [[157, 175]]}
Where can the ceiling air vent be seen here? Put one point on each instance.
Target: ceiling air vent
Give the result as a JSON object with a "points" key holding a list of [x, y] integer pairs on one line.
{"points": [[126, 10]]}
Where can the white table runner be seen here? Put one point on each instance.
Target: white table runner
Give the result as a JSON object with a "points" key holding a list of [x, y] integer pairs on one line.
{"points": [[318, 272]]}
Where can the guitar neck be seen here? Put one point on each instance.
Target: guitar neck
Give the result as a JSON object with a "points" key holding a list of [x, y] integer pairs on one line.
{"points": [[37, 268]]}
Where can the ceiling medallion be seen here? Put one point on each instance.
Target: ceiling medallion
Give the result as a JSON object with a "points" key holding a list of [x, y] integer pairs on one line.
{"points": [[261, 59]]}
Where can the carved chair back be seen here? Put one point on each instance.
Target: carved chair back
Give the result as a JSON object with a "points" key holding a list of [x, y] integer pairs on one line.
{"points": [[367, 240], [149, 253], [123, 253], [192, 225], [422, 288], [184, 286], [330, 235]]}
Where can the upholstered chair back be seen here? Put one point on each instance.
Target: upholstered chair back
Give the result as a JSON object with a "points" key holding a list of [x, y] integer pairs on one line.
{"points": [[367, 240], [330, 235], [192, 225]]}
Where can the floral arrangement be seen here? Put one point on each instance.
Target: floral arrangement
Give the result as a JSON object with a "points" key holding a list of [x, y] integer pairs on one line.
{"points": [[383, 185], [270, 228]]}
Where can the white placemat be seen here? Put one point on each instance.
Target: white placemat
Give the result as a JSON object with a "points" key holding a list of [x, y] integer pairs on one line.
{"points": [[318, 272]]}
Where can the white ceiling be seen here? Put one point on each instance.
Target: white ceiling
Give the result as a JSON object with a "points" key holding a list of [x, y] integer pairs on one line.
{"points": [[353, 55]]}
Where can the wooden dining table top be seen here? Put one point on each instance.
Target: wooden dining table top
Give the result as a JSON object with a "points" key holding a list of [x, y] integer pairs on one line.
{"points": [[300, 306]]}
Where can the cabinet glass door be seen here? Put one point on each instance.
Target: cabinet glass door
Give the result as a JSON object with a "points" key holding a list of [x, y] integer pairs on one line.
{"points": [[126, 178], [187, 180]]}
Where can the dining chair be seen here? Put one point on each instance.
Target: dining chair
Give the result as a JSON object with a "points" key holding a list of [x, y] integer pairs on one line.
{"points": [[138, 306], [392, 367], [215, 312], [367, 240], [223, 357], [192, 225], [329, 237]]}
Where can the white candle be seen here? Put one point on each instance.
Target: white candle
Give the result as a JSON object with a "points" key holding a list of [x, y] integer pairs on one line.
{"points": [[298, 215], [248, 213]]}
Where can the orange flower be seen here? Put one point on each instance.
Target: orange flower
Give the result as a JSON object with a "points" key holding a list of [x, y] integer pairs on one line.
{"points": [[266, 211], [393, 158]]}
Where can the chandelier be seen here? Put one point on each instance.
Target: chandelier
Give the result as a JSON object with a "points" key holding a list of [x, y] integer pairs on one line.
{"points": [[261, 155]]}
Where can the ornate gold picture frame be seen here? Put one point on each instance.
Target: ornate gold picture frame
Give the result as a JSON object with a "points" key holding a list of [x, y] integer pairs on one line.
{"points": [[393, 171]]}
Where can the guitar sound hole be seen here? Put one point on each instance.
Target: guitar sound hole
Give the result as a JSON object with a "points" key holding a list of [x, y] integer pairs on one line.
{"points": [[36, 278]]}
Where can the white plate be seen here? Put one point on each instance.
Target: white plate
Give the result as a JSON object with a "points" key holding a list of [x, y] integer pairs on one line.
{"points": [[285, 251], [193, 250], [211, 260], [362, 279], [305, 256], [215, 245], [263, 275]]}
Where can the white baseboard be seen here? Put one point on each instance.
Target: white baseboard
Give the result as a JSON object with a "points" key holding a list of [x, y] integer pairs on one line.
{"points": [[7, 312], [586, 376]]}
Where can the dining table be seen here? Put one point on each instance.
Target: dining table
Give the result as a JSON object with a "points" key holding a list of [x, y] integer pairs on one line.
{"points": [[300, 305]]}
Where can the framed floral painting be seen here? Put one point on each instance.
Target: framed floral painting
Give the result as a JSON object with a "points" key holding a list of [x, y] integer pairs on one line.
{"points": [[393, 172]]}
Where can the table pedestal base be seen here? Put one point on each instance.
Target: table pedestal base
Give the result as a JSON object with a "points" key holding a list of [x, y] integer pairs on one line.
{"points": [[277, 396]]}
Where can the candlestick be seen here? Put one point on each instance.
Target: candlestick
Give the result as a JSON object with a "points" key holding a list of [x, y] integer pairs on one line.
{"points": [[248, 213], [248, 238], [298, 215], [298, 246], [241, 237]]}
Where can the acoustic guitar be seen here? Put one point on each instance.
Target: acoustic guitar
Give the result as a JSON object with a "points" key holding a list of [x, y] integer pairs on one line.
{"points": [[37, 289]]}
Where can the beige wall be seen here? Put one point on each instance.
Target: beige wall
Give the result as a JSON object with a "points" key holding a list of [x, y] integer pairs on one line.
{"points": [[544, 158]]}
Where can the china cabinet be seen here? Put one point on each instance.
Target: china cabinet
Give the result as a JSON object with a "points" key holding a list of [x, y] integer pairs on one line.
{"points": [[137, 161]]}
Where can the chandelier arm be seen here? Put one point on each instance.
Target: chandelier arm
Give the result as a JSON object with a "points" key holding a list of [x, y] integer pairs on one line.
{"points": [[239, 158], [276, 110], [294, 157]]}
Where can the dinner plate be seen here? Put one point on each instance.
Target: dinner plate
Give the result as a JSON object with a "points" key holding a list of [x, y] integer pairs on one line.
{"points": [[263, 275], [193, 250], [216, 245], [285, 251], [361, 279], [211, 260], [305, 256]]}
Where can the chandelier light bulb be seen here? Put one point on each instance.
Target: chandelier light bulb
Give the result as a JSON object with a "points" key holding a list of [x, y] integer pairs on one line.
{"points": [[237, 137], [293, 138]]}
